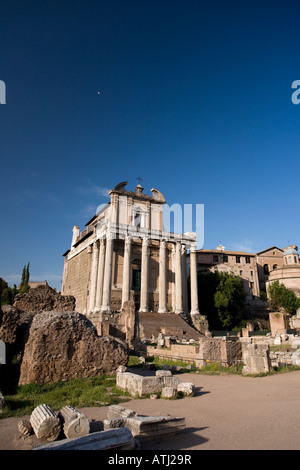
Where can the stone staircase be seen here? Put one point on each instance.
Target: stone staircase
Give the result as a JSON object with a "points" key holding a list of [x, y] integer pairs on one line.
{"points": [[171, 324]]}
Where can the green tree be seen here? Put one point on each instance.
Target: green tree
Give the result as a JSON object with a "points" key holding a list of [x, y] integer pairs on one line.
{"points": [[221, 298], [282, 297], [24, 286], [7, 293], [230, 300]]}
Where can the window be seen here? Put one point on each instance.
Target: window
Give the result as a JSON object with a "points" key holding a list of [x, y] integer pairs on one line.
{"points": [[274, 266], [290, 260], [295, 259], [215, 258], [247, 259], [266, 269], [241, 272], [225, 258], [238, 259], [251, 272]]}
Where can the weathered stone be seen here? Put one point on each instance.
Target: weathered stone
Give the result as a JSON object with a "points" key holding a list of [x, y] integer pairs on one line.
{"points": [[63, 345], [138, 385], [44, 298], [14, 330], [153, 396], [75, 424], [144, 427], [117, 411], [112, 439], [45, 423], [295, 358], [256, 358], [114, 423], [25, 427], [163, 373], [149, 427], [168, 392], [187, 388]]}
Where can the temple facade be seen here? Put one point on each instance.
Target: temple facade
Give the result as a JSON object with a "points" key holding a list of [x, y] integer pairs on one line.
{"points": [[124, 254]]}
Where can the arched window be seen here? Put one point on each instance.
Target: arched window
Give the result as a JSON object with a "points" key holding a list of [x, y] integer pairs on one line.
{"points": [[295, 259], [290, 260], [274, 266], [266, 269]]}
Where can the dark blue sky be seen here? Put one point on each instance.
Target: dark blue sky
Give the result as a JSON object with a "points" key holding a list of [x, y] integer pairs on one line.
{"points": [[196, 99]]}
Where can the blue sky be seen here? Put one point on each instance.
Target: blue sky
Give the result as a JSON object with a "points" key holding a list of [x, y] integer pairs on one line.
{"points": [[195, 99]]}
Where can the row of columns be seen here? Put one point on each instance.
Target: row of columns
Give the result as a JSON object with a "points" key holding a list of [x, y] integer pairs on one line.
{"points": [[101, 276]]}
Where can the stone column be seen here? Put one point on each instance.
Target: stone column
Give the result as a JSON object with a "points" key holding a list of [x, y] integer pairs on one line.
{"points": [[184, 281], [100, 277], [162, 278], [194, 283], [178, 279], [106, 298], [173, 278], [144, 299], [126, 270], [93, 282]]}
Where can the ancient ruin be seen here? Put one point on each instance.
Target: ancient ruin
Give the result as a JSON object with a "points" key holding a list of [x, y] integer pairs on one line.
{"points": [[125, 254], [139, 385], [64, 345]]}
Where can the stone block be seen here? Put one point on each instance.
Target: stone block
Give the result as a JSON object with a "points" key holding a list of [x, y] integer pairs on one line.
{"points": [[147, 427], [256, 358], [168, 392], [143, 427], [114, 423], [163, 373], [117, 411], [187, 388], [113, 439], [296, 358]]}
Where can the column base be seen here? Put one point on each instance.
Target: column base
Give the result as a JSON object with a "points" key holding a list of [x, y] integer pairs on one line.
{"points": [[144, 310], [195, 312], [106, 309], [163, 310], [178, 312]]}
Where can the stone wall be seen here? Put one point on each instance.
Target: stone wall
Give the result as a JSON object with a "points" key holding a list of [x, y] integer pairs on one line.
{"points": [[278, 323], [77, 278], [226, 351]]}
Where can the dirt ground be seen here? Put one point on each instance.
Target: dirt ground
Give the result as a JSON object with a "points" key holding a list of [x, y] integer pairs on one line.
{"points": [[228, 412]]}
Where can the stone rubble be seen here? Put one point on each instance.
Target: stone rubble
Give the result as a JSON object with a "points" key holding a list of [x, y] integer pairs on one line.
{"points": [[75, 424], [112, 439], [138, 385], [143, 427], [45, 423]]}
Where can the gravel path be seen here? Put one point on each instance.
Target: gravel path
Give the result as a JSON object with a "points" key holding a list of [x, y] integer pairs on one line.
{"points": [[228, 412]]}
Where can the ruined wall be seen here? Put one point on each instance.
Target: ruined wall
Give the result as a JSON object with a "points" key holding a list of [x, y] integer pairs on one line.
{"points": [[208, 349], [278, 323], [77, 278]]}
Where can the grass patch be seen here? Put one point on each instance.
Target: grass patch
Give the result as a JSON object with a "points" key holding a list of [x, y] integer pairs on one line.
{"points": [[216, 368], [77, 392]]}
